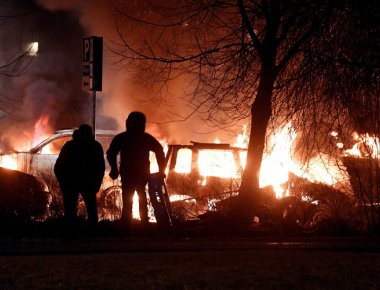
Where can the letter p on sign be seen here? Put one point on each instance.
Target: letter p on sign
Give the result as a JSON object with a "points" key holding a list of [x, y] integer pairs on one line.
{"points": [[87, 49]]}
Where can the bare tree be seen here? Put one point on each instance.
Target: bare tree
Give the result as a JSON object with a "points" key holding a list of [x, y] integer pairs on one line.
{"points": [[13, 62], [268, 60]]}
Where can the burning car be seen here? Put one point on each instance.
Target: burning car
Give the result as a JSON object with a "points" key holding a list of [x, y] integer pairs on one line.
{"points": [[199, 175], [39, 162]]}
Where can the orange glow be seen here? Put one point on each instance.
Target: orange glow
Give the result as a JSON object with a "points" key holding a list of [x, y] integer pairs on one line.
{"points": [[136, 210], [135, 207], [47, 149], [183, 164], [278, 159], [41, 130], [277, 162], [9, 161], [366, 147], [217, 163]]}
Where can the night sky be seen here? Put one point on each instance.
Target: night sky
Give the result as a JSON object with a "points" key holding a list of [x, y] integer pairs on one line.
{"points": [[51, 83]]}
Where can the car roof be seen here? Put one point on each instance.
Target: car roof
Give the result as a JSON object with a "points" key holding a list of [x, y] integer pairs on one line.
{"points": [[69, 132], [98, 132]]}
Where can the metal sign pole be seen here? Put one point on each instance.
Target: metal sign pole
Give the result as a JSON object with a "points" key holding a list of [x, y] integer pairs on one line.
{"points": [[94, 112], [92, 70]]}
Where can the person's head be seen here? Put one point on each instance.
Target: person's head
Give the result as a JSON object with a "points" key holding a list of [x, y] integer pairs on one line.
{"points": [[76, 134], [136, 122], [85, 132]]}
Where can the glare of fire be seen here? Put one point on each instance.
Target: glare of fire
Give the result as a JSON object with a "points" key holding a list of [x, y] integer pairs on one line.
{"points": [[276, 165], [9, 161], [277, 162], [217, 163], [366, 147], [135, 207], [180, 197], [152, 157], [184, 166], [41, 129]]}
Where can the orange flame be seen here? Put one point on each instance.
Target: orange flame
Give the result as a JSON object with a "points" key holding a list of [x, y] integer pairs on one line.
{"points": [[9, 161], [41, 129], [366, 147], [277, 163]]}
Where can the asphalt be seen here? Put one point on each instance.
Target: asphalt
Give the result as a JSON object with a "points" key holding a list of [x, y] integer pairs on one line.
{"points": [[67, 246]]}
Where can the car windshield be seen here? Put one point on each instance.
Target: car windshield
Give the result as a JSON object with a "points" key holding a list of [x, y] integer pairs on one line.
{"points": [[55, 146]]}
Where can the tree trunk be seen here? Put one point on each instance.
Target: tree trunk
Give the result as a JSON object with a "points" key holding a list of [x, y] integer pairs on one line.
{"points": [[261, 111]]}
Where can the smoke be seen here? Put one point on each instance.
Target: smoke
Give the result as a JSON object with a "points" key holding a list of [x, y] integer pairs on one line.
{"points": [[50, 82], [45, 84], [122, 93]]}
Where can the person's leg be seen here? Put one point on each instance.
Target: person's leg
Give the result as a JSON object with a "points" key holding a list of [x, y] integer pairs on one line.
{"points": [[92, 208], [128, 190], [70, 199], [143, 204]]}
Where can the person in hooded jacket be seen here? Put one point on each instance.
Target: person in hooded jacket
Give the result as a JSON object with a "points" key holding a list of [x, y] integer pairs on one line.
{"points": [[134, 146], [80, 169]]}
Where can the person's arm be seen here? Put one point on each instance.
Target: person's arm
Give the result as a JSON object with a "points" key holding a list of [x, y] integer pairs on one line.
{"points": [[112, 153], [158, 150]]}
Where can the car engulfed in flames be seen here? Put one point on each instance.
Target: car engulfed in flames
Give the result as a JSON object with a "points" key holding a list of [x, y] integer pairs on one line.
{"points": [[39, 162]]}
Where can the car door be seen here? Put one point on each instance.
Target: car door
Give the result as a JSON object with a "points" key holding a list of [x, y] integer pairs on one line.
{"points": [[42, 162]]}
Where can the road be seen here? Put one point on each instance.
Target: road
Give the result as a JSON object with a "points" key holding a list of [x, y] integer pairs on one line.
{"points": [[190, 263]]}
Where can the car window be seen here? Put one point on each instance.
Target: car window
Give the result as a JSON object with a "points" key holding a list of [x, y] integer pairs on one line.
{"points": [[217, 163], [183, 164], [55, 146]]}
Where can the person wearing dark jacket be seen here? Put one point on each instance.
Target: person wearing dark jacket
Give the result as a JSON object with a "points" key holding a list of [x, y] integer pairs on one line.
{"points": [[134, 146], [80, 169]]}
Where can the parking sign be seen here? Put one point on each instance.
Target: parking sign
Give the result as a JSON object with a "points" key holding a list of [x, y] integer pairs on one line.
{"points": [[92, 50]]}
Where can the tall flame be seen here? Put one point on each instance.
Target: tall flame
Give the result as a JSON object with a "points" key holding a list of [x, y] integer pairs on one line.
{"points": [[277, 162], [41, 129]]}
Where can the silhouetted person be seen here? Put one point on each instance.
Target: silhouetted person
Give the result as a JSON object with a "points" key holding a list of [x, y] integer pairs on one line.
{"points": [[134, 146], [80, 169]]}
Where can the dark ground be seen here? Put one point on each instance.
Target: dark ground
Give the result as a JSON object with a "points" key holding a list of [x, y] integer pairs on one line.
{"points": [[114, 261]]}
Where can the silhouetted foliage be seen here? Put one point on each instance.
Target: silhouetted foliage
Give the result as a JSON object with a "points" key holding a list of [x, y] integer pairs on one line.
{"points": [[314, 63]]}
